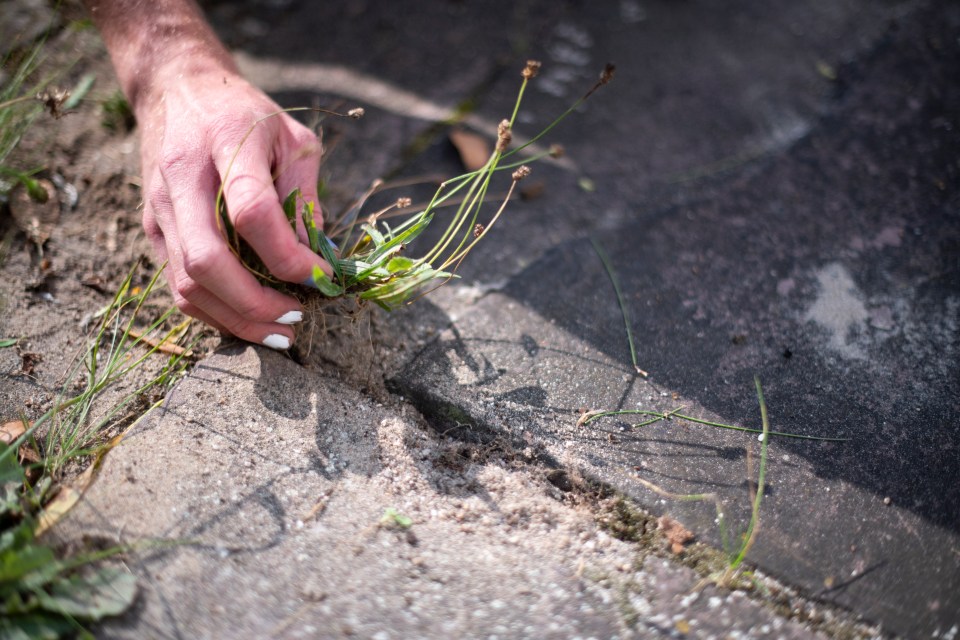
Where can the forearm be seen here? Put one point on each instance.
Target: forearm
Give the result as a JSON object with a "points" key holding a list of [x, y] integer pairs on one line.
{"points": [[153, 41]]}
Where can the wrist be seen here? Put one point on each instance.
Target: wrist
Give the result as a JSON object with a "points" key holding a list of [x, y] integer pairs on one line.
{"points": [[156, 43]]}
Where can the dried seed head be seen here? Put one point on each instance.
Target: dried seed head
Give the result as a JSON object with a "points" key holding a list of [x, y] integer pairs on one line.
{"points": [[356, 113], [404, 202], [531, 70], [504, 135], [53, 100], [478, 230], [522, 172], [557, 151], [607, 74]]}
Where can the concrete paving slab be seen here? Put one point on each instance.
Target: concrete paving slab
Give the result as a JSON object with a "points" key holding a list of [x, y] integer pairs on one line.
{"points": [[273, 483]]}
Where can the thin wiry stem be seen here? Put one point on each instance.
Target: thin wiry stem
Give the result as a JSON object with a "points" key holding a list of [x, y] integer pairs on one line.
{"points": [[620, 301], [594, 415]]}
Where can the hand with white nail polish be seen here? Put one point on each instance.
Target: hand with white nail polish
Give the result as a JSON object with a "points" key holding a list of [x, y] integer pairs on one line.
{"points": [[194, 112]]}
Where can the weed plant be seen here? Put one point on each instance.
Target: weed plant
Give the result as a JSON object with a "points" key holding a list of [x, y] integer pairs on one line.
{"points": [[366, 253]]}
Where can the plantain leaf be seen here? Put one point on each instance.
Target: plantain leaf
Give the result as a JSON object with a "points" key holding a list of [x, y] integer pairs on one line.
{"points": [[326, 250], [326, 286], [312, 232], [290, 208], [35, 626], [399, 263], [375, 235], [92, 595], [17, 562]]}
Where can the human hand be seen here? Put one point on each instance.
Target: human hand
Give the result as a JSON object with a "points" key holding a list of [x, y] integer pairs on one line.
{"points": [[192, 139]]}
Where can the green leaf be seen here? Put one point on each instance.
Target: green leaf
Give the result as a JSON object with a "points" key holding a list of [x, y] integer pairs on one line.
{"points": [[92, 595], [8, 342], [399, 263], [326, 286], [392, 518], [396, 292], [290, 208], [326, 250], [375, 235], [17, 562], [10, 470], [408, 235], [34, 189], [313, 235], [79, 91], [34, 626]]}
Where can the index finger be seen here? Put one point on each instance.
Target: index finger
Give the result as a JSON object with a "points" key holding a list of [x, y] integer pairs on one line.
{"points": [[254, 208]]}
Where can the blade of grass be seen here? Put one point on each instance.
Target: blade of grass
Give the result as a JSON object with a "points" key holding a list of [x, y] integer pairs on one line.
{"points": [[754, 525], [623, 307]]}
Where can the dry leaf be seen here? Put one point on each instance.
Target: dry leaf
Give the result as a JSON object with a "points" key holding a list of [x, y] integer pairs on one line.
{"points": [[163, 346], [585, 416], [677, 535], [473, 148], [11, 431]]}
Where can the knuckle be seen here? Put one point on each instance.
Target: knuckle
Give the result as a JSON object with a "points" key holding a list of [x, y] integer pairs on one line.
{"points": [[239, 327], [250, 205], [305, 142], [173, 162], [182, 303], [226, 128], [250, 309], [289, 267], [185, 288], [199, 265]]}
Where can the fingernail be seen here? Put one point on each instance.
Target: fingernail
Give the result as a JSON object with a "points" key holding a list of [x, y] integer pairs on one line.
{"points": [[277, 341], [290, 317]]}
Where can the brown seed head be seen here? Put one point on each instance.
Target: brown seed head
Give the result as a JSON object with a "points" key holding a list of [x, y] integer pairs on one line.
{"points": [[504, 135], [356, 113], [53, 100], [404, 202], [607, 74], [478, 230], [522, 172], [557, 151], [531, 70]]}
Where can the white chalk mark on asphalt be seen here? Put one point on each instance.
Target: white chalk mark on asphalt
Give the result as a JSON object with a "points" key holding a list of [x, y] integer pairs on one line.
{"points": [[839, 309]]}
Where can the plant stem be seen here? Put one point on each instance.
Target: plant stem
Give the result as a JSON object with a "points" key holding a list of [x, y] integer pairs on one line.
{"points": [[620, 301], [673, 414], [754, 525]]}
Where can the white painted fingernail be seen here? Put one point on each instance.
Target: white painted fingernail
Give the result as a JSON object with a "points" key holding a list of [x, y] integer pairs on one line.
{"points": [[290, 317], [277, 341]]}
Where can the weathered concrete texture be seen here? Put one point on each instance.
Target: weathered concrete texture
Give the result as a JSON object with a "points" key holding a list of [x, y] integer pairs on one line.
{"points": [[273, 482], [830, 271]]}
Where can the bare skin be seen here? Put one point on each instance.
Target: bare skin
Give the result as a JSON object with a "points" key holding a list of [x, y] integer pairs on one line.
{"points": [[193, 109]]}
